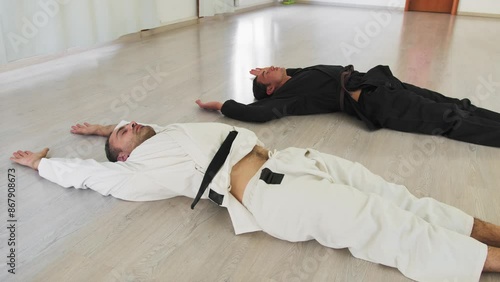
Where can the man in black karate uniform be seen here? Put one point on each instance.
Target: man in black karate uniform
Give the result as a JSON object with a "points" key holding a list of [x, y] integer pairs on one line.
{"points": [[376, 97]]}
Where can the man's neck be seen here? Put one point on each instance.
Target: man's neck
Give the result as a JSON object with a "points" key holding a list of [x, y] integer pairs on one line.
{"points": [[285, 79]]}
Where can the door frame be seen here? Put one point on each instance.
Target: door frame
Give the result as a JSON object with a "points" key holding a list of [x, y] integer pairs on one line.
{"points": [[454, 8]]}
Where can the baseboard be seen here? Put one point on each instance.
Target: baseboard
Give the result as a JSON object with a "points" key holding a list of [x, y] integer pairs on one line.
{"points": [[484, 15], [166, 27], [244, 9], [240, 10]]}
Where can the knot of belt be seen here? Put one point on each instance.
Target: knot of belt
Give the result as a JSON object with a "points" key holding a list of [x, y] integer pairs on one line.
{"points": [[344, 77]]}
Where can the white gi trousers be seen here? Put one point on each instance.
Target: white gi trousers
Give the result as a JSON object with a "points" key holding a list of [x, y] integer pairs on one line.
{"points": [[342, 204]]}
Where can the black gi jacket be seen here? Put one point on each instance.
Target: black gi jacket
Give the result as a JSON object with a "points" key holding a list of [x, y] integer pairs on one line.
{"points": [[311, 90]]}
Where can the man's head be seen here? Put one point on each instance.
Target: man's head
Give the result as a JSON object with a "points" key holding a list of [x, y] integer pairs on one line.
{"points": [[268, 80], [122, 141]]}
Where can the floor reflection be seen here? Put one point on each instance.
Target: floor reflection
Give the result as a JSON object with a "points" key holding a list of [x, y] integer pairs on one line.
{"points": [[424, 46]]}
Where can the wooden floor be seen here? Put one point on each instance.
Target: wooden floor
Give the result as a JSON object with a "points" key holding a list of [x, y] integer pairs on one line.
{"points": [[71, 235]]}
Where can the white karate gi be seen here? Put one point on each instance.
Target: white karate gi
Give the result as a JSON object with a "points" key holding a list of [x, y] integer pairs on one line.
{"points": [[337, 202], [341, 204], [171, 163]]}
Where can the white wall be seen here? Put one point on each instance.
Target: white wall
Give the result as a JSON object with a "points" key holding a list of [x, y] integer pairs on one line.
{"points": [[249, 3], [32, 28], [172, 11], [479, 6]]}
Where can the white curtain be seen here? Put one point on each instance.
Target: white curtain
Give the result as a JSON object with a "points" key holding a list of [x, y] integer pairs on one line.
{"points": [[36, 27], [209, 8]]}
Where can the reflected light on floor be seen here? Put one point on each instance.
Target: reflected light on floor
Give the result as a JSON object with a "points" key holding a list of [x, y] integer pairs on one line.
{"points": [[252, 48]]}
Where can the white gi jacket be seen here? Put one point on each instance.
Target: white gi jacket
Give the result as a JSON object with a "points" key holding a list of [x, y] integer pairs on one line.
{"points": [[171, 163]]}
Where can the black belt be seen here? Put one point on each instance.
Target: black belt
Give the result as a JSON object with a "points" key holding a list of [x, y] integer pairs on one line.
{"points": [[214, 167], [344, 76]]}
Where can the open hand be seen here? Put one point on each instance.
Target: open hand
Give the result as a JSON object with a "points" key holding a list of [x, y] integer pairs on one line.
{"points": [[256, 71], [85, 128], [28, 158], [92, 129], [215, 106]]}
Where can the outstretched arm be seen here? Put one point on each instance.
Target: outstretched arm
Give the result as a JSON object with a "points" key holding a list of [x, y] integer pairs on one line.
{"points": [[260, 111], [215, 106], [92, 129], [28, 158], [84, 174], [235, 110]]}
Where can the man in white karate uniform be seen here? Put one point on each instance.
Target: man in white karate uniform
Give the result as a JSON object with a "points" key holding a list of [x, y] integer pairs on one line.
{"points": [[294, 194]]}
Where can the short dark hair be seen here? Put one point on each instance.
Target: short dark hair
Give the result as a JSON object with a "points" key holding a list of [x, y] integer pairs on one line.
{"points": [[111, 152], [259, 90]]}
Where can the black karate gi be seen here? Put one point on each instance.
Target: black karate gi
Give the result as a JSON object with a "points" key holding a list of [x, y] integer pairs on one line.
{"points": [[385, 102]]}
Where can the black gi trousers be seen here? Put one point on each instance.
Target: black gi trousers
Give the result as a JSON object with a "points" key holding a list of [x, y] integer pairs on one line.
{"points": [[410, 108]]}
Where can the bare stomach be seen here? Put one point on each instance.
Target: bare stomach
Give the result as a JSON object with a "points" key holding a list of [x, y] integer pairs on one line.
{"points": [[355, 94], [245, 169]]}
